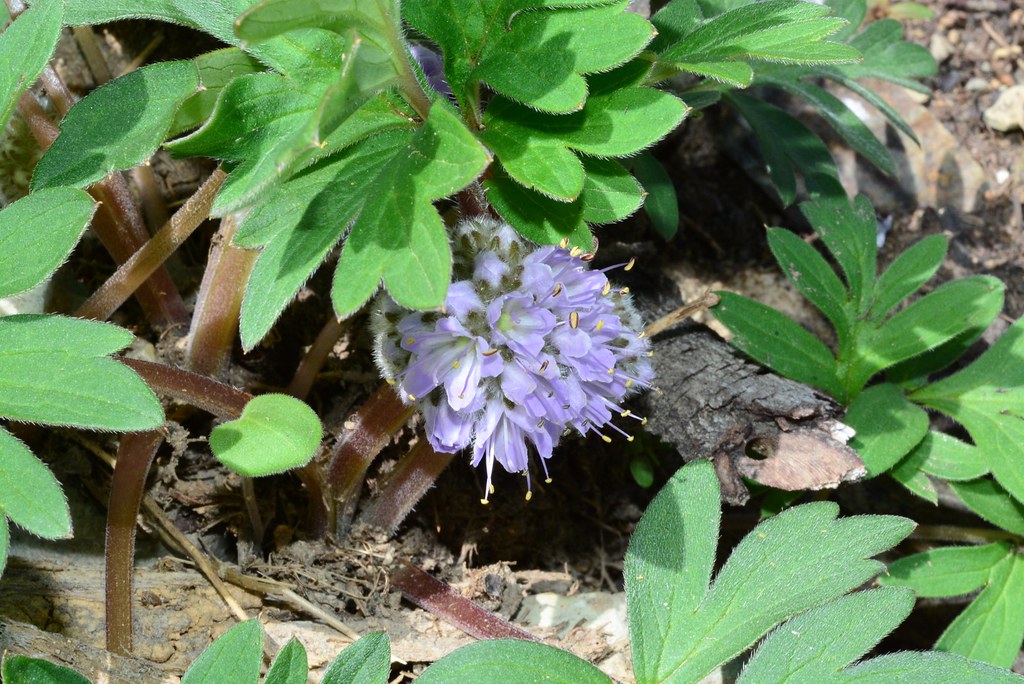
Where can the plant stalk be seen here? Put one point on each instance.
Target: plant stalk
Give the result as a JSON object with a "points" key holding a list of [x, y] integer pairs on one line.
{"points": [[412, 478], [191, 388]]}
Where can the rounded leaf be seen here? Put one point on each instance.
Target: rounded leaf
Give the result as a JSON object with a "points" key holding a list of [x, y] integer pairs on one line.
{"points": [[275, 433]]}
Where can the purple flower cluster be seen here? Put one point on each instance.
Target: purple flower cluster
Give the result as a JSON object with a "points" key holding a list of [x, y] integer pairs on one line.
{"points": [[530, 342]]}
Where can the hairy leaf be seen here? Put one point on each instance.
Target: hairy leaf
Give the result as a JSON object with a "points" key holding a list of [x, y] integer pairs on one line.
{"points": [[813, 276], [216, 70], [949, 458], [610, 193], [987, 398], [53, 370], [512, 661], [116, 126], [291, 665], [234, 657], [661, 203], [925, 668], [37, 233], [888, 426], [908, 272], [950, 571], [275, 433], [29, 493], [987, 499], [367, 661], [25, 48], [19, 668], [535, 216]]}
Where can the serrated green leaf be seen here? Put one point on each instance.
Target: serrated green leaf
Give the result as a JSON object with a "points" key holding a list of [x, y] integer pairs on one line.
{"points": [[813, 276], [849, 231], [367, 661], [671, 557], [949, 571], [216, 70], [993, 503], [19, 668], [661, 203], [788, 146], [889, 57], [909, 474], [735, 74], [512, 661], [817, 645], [53, 370], [925, 668], [888, 426], [610, 193], [794, 561], [398, 235], [275, 433], [535, 57], [536, 217], [25, 49], [949, 458], [234, 657], [675, 21], [908, 272], [990, 629], [37, 233], [987, 398], [290, 666], [29, 493], [116, 126], [776, 341]]}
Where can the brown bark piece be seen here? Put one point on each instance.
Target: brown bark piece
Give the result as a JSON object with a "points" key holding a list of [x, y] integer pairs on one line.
{"points": [[714, 403]]}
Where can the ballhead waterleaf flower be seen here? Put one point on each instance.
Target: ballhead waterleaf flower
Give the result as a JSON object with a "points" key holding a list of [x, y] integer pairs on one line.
{"points": [[530, 342]]}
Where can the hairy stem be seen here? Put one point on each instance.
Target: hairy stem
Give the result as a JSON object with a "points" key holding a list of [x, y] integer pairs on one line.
{"points": [[372, 427], [313, 361], [219, 301], [152, 255], [964, 535], [408, 482], [134, 456], [191, 388]]}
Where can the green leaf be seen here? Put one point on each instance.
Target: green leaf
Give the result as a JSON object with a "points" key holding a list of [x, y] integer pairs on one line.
{"points": [[888, 426], [535, 57], [987, 398], [926, 668], [775, 30], [909, 10], [950, 571], [512, 661], [909, 474], [990, 629], [116, 126], [367, 661], [398, 235], [19, 668], [949, 458], [25, 49], [788, 147], [216, 70], [275, 433], [774, 340], [888, 57], [797, 560], [234, 657], [37, 233], [5, 542], [290, 666], [536, 217], [944, 314], [53, 370], [907, 273], [817, 645], [991, 502], [661, 204], [610, 193], [813, 276], [849, 231], [29, 493]]}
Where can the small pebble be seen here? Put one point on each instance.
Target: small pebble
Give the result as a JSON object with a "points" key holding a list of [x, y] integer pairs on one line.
{"points": [[1007, 114], [940, 47], [1001, 176], [976, 84]]}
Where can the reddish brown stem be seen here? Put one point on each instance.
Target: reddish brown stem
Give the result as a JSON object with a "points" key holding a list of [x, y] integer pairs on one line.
{"points": [[315, 358], [134, 456], [440, 599], [191, 388], [408, 482], [152, 255], [219, 302], [372, 427]]}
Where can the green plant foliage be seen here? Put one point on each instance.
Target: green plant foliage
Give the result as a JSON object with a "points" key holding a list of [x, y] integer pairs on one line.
{"points": [[55, 370], [275, 433], [37, 233], [948, 458], [367, 661], [951, 571], [987, 398], [888, 426], [216, 70], [19, 668], [512, 661], [683, 625], [30, 495], [117, 126], [234, 657], [661, 202], [291, 666], [988, 500], [25, 48]]}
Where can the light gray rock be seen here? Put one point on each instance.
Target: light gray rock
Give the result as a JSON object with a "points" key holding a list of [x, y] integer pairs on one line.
{"points": [[1007, 114]]}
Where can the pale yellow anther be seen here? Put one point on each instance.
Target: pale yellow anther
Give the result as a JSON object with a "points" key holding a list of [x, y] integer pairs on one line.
{"points": [[529, 495], [606, 438], [606, 289], [456, 364], [611, 371], [600, 324], [412, 397], [629, 438], [641, 335], [626, 413], [643, 421], [575, 252], [630, 264], [543, 366], [490, 352], [390, 381], [484, 501], [563, 243], [629, 383], [490, 488], [574, 320], [558, 290], [547, 480], [624, 291]]}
